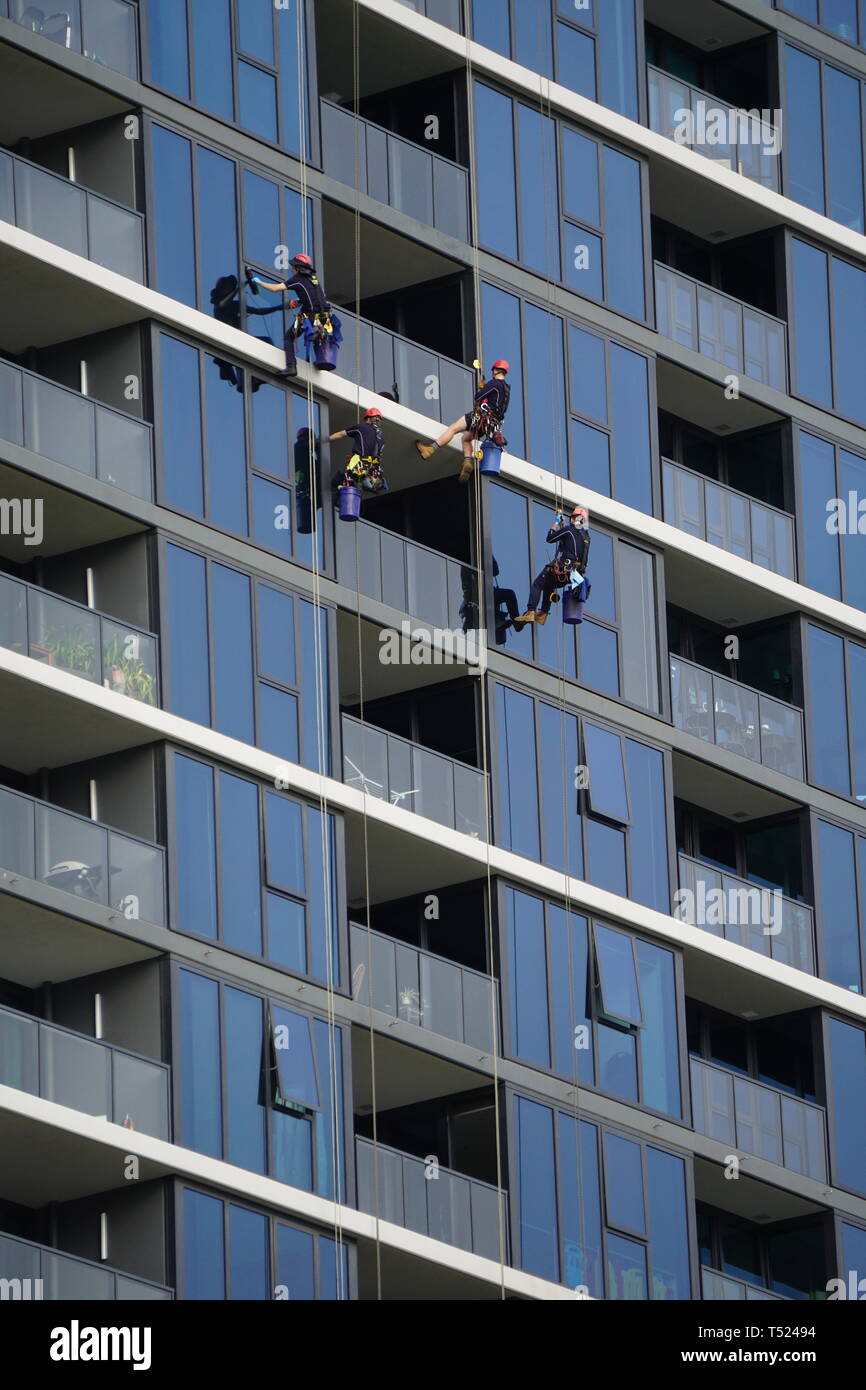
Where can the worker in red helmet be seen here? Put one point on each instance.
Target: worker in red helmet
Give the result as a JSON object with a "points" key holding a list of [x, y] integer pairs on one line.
{"points": [[364, 466], [484, 421], [567, 567], [307, 296]]}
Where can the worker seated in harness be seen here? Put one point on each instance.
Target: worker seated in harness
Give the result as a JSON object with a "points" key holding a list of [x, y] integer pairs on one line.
{"points": [[568, 567], [314, 317], [483, 422], [364, 466]]}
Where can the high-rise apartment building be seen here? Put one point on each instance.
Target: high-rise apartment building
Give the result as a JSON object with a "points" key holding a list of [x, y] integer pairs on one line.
{"points": [[360, 939]]}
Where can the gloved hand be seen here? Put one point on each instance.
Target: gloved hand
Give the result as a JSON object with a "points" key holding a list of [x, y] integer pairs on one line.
{"points": [[252, 279]]}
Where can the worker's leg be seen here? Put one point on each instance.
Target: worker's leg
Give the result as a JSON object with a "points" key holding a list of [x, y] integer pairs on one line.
{"points": [[425, 450], [535, 598], [291, 367]]}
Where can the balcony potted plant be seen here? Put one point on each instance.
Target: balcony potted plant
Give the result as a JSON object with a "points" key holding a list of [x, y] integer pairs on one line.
{"points": [[72, 651], [128, 674]]}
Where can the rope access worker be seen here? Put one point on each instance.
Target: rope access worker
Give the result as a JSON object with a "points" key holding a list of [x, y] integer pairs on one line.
{"points": [[313, 316], [364, 467], [482, 422], [572, 555]]}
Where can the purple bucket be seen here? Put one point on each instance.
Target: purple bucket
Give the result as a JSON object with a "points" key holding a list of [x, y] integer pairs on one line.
{"points": [[325, 352], [491, 457], [350, 503], [572, 606]]}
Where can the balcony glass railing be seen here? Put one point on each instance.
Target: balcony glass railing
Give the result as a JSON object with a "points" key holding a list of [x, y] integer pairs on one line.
{"points": [[675, 106], [736, 717], [409, 577], [82, 857], [738, 911], [729, 519], [415, 778], [70, 216], [718, 1286], [66, 1277], [421, 988], [731, 332], [429, 1200], [426, 382], [83, 1073], [104, 30], [71, 637], [395, 171], [758, 1119], [448, 12], [59, 424]]}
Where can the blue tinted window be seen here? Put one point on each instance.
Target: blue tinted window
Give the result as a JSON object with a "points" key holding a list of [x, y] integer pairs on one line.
{"points": [[276, 634], [617, 975], [278, 722], [329, 1132], [333, 1272], [261, 219], [844, 148], [579, 10], [837, 904], [203, 1247], [607, 785], [315, 684], [847, 1081], [666, 1183], [604, 606], [588, 384], [293, 1048], [803, 9], [545, 389], [245, 1115], [322, 895], [500, 314], [857, 682], [287, 943], [510, 547], [180, 408], [599, 659], [226, 456], [292, 1149], [240, 856], [618, 52], [849, 337], [294, 95], [490, 25], [528, 963], [171, 217], [626, 1269], [580, 1211], [811, 322], [233, 655], [166, 22], [285, 845], [497, 216], [580, 177], [270, 435], [539, 211], [576, 61], [804, 128], [631, 427], [583, 255], [272, 516], [660, 1061], [295, 1268], [818, 484], [827, 715], [195, 839], [623, 1184], [188, 635], [563, 849], [518, 785], [201, 1089], [217, 210], [617, 1062], [531, 39], [852, 471], [537, 1176], [257, 100], [212, 56], [250, 1259], [650, 882], [624, 223], [590, 459], [606, 854], [853, 1251], [568, 980], [256, 29], [840, 17]]}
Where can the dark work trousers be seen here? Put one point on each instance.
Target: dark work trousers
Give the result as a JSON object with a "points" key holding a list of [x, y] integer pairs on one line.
{"points": [[543, 585]]}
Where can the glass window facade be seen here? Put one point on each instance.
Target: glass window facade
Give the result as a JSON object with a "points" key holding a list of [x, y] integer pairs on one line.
{"points": [[541, 799], [836, 712], [230, 1105], [231, 1251], [247, 658], [577, 215], [633, 1245], [828, 303], [836, 17], [256, 870], [832, 482], [823, 153], [259, 79], [840, 897], [559, 1017], [846, 1081]]}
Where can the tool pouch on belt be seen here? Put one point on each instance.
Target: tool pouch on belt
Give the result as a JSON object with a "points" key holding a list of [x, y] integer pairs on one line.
{"points": [[559, 571]]}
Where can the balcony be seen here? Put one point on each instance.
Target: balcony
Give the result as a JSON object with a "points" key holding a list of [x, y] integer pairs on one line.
{"points": [[102, 30], [74, 430], [395, 171], [83, 1073], [66, 1277], [750, 153], [450, 1207], [71, 216], [82, 857], [717, 1286], [737, 718], [406, 576], [427, 382], [729, 519], [422, 988], [792, 945], [415, 778], [744, 339], [73, 638], [448, 12], [759, 1120]]}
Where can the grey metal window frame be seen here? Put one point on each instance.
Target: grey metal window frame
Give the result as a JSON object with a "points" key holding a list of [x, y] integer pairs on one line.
{"points": [[831, 255], [838, 446], [263, 789], [828, 1016], [815, 820], [600, 975], [787, 98], [808, 711]]}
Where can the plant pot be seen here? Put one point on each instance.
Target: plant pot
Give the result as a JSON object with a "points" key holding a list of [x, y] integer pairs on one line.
{"points": [[325, 353], [572, 606], [491, 457], [350, 503], [118, 678]]}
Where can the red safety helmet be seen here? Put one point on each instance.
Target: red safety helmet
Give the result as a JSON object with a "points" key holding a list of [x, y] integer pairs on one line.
{"points": [[579, 512], [500, 366], [305, 430], [301, 258], [373, 413]]}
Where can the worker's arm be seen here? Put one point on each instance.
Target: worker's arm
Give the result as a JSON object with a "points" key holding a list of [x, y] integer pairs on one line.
{"points": [[275, 286], [338, 434]]}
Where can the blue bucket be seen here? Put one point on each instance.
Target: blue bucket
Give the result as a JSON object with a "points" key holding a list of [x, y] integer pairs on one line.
{"points": [[572, 606], [325, 352], [491, 457], [350, 503]]}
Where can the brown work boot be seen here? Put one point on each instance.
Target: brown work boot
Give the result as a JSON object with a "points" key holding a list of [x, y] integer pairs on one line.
{"points": [[467, 470], [527, 617], [541, 619], [425, 450]]}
